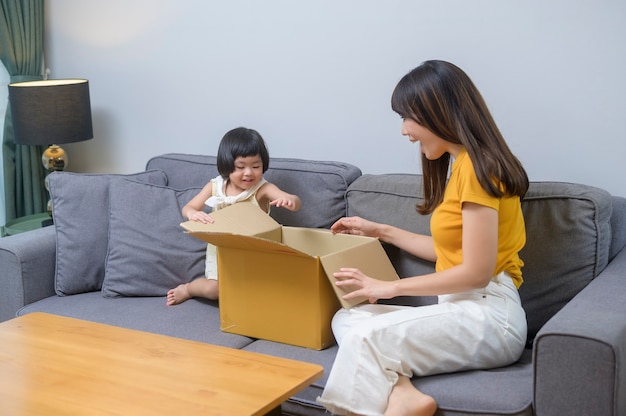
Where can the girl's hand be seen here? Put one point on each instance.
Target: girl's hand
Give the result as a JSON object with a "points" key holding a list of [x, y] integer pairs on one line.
{"points": [[372, 289], [285, 203], [201, 216], [355, 226]]}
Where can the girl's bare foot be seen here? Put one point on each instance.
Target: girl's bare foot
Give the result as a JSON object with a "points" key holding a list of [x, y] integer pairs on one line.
{"points": [[178, 295], [406, 400]]}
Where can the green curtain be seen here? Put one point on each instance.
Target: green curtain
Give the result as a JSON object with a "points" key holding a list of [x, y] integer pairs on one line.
{"points": [[21, 52]]}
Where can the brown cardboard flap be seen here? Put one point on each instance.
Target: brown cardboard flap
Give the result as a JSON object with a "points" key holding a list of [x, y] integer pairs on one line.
{"points": [[370, 258], [320, 242], [243, 218], [245, 242]]}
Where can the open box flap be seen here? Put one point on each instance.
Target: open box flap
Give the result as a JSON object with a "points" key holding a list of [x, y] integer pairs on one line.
{"points": [[370, 258], [245, 242], [243, 218], [320, 242]]}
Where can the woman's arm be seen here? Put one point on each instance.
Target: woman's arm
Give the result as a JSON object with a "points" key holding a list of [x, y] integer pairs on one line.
{"points": [[416, 244], [480, 244]]}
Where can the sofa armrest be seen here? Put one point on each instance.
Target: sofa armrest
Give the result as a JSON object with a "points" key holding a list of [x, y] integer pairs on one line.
{"points": [[28, 268], [579, 355]]}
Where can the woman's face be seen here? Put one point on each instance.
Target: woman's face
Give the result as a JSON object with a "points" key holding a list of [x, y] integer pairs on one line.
{"points": [[431, 145]]}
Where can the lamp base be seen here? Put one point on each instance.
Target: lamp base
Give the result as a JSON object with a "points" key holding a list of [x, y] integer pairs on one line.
{"points": [[54, 159]]}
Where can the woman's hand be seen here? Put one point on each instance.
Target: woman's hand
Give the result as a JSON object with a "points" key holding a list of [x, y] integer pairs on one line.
{"points": [[372, 289], [355, 226]]}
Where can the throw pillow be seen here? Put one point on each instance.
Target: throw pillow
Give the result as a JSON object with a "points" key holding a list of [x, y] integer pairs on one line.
{"points": [[81, 218], [148, 252]]}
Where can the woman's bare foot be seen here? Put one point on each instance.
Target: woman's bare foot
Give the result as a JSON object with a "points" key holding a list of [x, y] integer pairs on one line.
{"points": [[406, 400], [178, 295]]}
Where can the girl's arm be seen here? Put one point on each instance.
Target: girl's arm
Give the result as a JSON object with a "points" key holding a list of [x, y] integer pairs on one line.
{"points": [[277, 197], [480, 245], [193, 210]]}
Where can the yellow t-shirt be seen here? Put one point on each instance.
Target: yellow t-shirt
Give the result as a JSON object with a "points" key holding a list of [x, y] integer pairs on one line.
{"points": [[447, 228]]}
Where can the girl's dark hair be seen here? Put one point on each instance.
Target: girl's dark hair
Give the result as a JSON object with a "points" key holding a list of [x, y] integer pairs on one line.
{"points": [[240, 142], [441, 97]]}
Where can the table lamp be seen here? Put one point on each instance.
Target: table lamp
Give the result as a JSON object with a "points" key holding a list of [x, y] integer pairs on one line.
{"points": [[51, 112]]}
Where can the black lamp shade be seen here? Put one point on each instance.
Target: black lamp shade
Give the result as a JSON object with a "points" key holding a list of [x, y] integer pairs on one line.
{"points": [[51, 111]]}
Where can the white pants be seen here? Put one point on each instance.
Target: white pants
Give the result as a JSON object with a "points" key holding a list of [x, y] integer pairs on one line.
{"points": [[479, 329]]}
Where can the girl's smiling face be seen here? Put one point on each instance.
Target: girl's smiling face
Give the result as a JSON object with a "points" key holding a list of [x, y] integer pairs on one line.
{"points": [[248, 172]]}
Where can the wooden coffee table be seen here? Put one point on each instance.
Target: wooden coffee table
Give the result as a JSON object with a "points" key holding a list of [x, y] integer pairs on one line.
{"points": [[53, 365]]}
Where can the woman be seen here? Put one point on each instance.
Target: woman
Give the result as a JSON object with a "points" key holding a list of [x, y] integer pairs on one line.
{"points": [[477, 232]]}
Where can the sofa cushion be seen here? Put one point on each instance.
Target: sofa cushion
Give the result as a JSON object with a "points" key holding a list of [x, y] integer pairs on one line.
{"points": [[81, 219], [618, 226], [568, 239], [196, 319], [320, 185], [148, 251]]}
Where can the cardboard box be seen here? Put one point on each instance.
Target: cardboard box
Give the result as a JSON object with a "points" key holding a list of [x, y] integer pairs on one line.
{"points": [[275, 281]]}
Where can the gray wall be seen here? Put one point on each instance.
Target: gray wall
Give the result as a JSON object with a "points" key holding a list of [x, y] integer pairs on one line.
{"points": [[315, 77]]}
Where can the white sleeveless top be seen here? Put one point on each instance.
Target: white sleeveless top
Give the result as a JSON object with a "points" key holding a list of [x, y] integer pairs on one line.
{"points": [[219, 199]]}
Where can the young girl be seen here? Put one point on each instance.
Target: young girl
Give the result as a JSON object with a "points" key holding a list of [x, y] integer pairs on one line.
{"points": [[242, 158], [477, 232]]}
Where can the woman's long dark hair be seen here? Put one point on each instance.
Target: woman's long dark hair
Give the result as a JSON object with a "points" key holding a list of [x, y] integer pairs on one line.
{"points": [[441, 97]]}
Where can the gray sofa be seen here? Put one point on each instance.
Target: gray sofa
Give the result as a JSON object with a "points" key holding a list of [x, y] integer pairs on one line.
{"points": [[116, 247]]}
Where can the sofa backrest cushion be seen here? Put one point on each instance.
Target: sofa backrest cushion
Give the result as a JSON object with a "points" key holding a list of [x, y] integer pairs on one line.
{"points": [[148, 252], [618, 226], [568, 229], [320, 185], [81, 218], [568, 237]]}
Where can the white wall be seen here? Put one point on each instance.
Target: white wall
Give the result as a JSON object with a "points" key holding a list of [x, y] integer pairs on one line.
{"points": [[315, 77]]}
